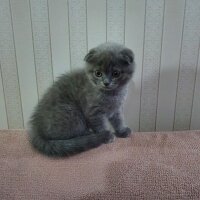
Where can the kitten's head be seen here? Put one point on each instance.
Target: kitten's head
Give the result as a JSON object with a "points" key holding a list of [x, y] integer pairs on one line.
{"points": [[110, 66]]}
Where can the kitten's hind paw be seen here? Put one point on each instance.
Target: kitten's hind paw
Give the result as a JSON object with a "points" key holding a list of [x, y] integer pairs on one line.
{"points": [[125, 132], [109, 137]]}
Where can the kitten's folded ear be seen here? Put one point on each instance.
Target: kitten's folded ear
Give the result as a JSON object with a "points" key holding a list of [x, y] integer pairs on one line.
{"points": [[127, 55], [90, 57]]}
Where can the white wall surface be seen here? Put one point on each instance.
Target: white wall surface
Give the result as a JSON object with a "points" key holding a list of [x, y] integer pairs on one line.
{"points": [[41, 39]]}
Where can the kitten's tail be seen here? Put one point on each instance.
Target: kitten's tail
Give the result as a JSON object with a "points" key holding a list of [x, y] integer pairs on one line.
{"points": [[68, 147]]}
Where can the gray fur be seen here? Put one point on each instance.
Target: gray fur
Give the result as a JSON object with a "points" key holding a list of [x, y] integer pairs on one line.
{"points": [[71, 116]]}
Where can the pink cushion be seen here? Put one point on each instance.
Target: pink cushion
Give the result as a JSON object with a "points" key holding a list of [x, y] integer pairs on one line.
{"points": [[144, 166]]}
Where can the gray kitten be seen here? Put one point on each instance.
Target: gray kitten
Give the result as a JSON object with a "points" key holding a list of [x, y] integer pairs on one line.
{"points": [[71, 116]]}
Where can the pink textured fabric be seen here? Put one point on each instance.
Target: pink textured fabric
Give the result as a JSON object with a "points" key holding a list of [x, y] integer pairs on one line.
{"points": [[144, 166]]}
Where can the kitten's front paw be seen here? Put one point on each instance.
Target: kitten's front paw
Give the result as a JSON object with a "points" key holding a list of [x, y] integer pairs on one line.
{"points": [[125, 132], [109, 137]]}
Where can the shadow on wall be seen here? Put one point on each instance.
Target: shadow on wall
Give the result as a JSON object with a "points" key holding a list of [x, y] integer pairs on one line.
{"points": [[161, 102]]}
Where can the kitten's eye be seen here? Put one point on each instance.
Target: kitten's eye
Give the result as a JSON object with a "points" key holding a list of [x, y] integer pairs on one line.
{"points": [[98, 73], [116, 74]]}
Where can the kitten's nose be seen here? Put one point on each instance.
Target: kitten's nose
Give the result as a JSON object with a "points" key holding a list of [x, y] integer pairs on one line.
{"points": [[106, 84]]}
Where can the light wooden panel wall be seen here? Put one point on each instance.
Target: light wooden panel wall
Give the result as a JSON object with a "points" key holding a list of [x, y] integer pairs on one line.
{"points": [[154, 20], [58, 22], [41, 39], [39, 11], [77, 31], [188, 65], [9, 69], [169, 63], [24, 55], [134, 39]]}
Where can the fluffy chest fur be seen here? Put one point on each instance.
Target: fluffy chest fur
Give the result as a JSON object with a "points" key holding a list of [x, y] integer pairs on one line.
{"points": [[104, 103]]}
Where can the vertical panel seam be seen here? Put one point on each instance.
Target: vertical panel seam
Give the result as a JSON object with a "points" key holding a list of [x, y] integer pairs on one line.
{"points": [[179, 64], [70, 59], [86, 11], [197, 63], [4, 94], [124, 21], [163, 23], [50, 48], [33, 49], [16, 64], [142, 64], [106, 20]]}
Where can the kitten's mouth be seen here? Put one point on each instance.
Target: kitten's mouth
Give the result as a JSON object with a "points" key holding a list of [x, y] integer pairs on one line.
{"points": [[108, 87]]}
